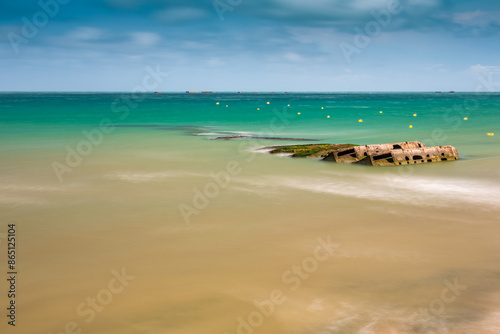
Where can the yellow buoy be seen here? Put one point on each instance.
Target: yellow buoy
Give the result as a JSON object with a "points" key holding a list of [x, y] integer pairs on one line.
{"points": [[411, 126], [217, 103], [268, 102], [328, 116], [414, 115], [298, 113], [288, 105], [258, 108], [466, 118], [381, 112], [360, 120], [227, 106], [322, 107]]}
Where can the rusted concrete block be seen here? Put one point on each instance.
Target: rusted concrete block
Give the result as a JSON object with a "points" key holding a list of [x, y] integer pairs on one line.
{"points": [[357, 153], [411, 156]]}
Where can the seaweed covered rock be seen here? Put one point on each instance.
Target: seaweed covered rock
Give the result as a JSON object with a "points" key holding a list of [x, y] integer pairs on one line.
{"points": [[394, 154], [309, 150]]}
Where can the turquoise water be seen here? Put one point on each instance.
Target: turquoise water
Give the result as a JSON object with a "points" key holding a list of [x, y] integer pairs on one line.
{"points": [[46, 114], [404, 233], [51, 121]]}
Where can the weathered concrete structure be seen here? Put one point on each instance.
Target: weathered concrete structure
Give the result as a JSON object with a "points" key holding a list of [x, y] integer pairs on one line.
{"points": [[411, 156], [395, 154], [358, 153]]}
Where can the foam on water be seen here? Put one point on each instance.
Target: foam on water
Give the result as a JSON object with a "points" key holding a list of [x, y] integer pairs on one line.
{"points": [[392, 188], [224, 133], [26, 194], [136, 177], [11, 200], [371, 319], [34, 188]]}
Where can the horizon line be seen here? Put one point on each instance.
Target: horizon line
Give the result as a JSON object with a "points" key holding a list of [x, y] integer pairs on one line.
{"points": [[240, 92]]}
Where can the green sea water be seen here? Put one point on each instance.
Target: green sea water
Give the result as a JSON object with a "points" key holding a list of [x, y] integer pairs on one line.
{"points": [[211, 230], [43, 115]]}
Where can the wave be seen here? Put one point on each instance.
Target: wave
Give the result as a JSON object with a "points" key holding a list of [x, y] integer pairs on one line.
{"points": [[12, 187], [20, 200], [23, 194], [224, 133], [368, 319], [409, 190], [136, 177]]}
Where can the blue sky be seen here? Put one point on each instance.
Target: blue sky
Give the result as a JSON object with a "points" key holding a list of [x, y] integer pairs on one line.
{"points": [[250, 45]]}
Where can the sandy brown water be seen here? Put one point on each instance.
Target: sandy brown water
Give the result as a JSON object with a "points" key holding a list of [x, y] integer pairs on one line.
{"points": [[412, 250]]}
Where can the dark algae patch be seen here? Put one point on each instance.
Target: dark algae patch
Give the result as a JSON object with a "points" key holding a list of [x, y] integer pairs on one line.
{"points": [[257, 137], [308, 150]]}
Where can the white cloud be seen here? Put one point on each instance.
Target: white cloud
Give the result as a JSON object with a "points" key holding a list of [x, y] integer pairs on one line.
{"points": [[194, 45], [293, 57], [481, 69], [477, 18], [124, 4], [215, 62], [181, 14], [367, 5], [434, 67], [339, 13], [425, 3], [145, 38], [86, 34], [466, 16]]}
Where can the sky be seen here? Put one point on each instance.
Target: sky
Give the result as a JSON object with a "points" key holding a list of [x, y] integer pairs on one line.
{"points": [[250, 45]]}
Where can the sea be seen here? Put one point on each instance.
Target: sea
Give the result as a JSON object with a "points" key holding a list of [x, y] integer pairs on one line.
{"points": [[133, 216]]}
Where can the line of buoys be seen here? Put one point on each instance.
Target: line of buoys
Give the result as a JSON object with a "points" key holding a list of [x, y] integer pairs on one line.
{"points": [[491, 134]]}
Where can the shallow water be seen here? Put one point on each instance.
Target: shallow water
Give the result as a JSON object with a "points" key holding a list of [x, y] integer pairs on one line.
{"points": [[412, 249]]}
